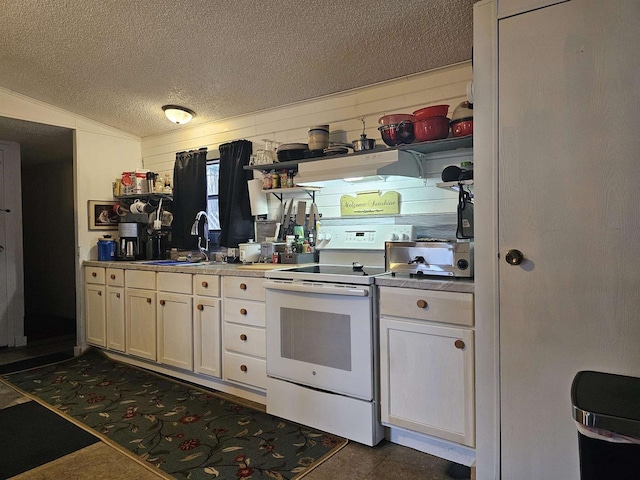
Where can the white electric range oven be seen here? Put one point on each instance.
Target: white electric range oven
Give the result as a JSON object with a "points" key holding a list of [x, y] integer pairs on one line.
{"points": [[322, 335]]}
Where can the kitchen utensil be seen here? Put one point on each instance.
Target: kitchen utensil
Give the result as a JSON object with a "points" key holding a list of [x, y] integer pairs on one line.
{"points": [[462, 120], [318, 137], [287, 221], [249, 252], [363, 143], [313, 216], [397, 133], [432, 128], [432, 111], [394, 118], [301, 213]]}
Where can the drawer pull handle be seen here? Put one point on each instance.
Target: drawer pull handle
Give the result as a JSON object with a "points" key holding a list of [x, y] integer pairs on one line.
{"points": [[422, 303], [200, 307], [162, 302], [243, 368], [148, 300], [243, 311], [94, 274], [243, 286], [243, 337], [459, 344], [117, 295], [205, 285], [113, 277]]}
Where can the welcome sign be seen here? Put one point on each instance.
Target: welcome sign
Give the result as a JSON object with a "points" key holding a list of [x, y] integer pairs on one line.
{"points": [[370, 203]]}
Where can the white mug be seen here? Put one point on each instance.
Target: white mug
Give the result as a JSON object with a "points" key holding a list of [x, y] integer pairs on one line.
{"points": [[138, 206]]}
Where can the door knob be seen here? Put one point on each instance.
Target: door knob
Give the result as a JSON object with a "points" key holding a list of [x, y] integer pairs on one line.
{"points": [[1, 248], [514, 257]]}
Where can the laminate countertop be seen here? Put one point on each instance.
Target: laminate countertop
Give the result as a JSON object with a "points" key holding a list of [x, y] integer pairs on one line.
{"points": [[463, 285]]}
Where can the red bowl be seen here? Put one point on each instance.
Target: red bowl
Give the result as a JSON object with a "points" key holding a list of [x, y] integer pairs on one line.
{"points": [[397, 133], [432, 111], [432, 128], [462, 128], [396, 118]]}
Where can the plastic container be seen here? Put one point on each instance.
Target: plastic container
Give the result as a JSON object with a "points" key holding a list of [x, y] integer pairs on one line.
{"points": [[606, 409], [106, 249]]}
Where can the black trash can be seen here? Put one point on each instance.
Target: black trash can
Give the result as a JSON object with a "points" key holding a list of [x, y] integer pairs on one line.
{"points": [[607, 410]]}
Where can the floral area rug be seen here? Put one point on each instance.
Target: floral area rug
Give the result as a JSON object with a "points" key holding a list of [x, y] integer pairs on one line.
{"points": [[186, 431]]}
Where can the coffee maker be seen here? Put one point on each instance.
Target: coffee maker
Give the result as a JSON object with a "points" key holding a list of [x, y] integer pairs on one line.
{"points": [[131, 243]]}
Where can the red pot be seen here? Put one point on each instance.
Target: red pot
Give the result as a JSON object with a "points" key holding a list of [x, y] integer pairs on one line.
{"points": [[432, 111], [397, 134], [462, 128], [432, 128], [396, 118]]}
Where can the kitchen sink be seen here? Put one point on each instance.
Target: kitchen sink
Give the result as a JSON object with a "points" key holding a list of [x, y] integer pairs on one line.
{"points": [[182, 263]]}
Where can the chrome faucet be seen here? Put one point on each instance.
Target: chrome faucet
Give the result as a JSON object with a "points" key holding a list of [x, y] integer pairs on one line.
{"points": [[195, 231]]}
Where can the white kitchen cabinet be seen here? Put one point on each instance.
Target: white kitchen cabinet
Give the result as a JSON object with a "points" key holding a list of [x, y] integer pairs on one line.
{"points": [[207, 341], [175, 330], [94, 295], [244, 339], [426, 366], [140, 314], [115, 316]]}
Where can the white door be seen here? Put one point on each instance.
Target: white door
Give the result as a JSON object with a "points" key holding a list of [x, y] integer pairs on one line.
{"points": [[11, 269], [4, 313], [569, 165]]}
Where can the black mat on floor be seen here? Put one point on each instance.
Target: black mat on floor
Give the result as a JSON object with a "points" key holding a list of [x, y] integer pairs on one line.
{"points": [[34, 362], [32, 435]]}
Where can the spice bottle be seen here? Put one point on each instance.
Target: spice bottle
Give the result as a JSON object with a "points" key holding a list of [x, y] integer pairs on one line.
{"points": [[275, 179], [266, 181], [284, 179]]}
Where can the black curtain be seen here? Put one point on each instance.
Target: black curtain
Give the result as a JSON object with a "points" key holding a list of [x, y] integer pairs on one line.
{"points": [[189, 196], [236, 221]]}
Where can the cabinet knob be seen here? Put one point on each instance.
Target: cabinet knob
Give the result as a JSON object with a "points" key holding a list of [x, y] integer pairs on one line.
{"points": [[514, 257], [117, 295], [243, 337], [243, 286], [205, 285], [422, 303], [200, 307], [148, 300], [459, 344], [113, 277], [99, 293], [243, 311], [94, 274], [162, 302], [243, 368]]}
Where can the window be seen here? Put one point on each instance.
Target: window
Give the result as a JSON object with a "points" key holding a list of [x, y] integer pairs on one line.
{"points": [[213, 215]]}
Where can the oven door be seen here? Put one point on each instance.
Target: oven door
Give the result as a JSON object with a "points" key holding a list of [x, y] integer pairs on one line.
{"points": [[321, 335]]}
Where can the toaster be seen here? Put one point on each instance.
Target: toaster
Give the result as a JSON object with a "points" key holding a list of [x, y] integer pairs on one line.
{"points": [[418, 258]]}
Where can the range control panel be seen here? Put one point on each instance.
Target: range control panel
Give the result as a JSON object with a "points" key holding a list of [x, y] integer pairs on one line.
{"points": [[362, 237]]}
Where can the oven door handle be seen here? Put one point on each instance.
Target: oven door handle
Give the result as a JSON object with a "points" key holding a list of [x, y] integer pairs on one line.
{"points": [[308, 287]]}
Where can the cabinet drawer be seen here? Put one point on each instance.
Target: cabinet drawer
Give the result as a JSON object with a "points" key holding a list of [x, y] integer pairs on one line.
{"points": [[244, 287], [247, 370], [175, 282], [140, 279], [115, 277], [244, 312], [431, 305], [244, 339], [206, 285], [94, 275]]}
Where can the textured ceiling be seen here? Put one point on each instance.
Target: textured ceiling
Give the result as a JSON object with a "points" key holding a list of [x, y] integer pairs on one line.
{"points": [[119, 61]]}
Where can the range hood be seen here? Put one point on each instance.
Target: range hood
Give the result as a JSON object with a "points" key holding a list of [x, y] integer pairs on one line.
{"points": [[369, 164]]}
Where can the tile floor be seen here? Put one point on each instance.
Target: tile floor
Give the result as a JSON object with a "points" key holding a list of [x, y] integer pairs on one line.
{"points": [[386, 461]]}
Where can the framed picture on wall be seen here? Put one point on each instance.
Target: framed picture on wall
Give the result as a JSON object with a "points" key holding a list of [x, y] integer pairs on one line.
{"points": [[102, 215]]}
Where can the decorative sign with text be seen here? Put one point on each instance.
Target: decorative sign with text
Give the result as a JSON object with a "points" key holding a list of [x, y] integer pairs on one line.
{"points": [[370, 203]]}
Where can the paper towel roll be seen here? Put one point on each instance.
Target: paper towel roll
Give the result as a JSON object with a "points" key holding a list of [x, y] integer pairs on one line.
{"points": [[257, 198]]}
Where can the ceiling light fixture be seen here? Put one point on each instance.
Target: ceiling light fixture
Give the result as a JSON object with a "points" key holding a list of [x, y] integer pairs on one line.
{"points": [[178, 114]]}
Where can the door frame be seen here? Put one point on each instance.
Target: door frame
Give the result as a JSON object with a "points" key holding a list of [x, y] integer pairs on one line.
{"points": [[12, 200]]}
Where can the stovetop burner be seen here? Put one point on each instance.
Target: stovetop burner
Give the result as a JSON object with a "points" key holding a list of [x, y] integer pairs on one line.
{"points": [[357, 271]]}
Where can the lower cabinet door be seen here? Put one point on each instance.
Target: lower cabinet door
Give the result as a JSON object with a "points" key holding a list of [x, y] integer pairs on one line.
{"points": [[206, 337], [427, 378], [115, 319], [140, 317], [95, 315], [175, 330]]}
